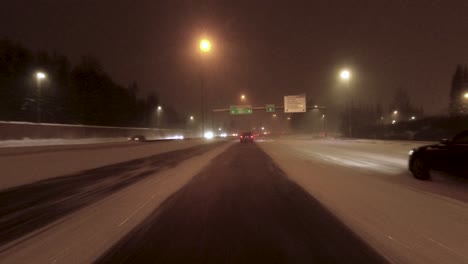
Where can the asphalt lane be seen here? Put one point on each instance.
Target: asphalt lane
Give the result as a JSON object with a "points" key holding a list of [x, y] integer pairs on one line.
{"points": [[241, 209]]}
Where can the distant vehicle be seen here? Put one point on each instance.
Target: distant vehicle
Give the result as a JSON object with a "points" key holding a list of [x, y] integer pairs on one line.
{"points": [[449, 155], [246, 137], [137, 138]]}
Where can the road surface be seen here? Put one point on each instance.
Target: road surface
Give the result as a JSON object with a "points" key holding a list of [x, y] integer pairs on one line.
{"points": [[281, 200], [242, 209]]}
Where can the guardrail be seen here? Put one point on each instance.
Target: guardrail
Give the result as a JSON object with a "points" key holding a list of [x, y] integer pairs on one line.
{"points": [[19, 130]]}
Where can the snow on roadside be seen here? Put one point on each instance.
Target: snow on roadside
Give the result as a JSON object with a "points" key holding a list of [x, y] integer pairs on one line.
{"points": [[383, 141]]}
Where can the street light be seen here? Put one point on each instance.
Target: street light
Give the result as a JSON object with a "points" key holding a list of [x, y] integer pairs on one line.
{"points": [[205, 47], [413, 118], [39, 77], [324, 125], [191, 118], [465, 95], [242, 97], [158, 115], [345, 75], [395, 112]]}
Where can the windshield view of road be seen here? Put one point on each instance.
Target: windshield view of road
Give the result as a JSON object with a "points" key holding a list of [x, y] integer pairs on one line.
{"points": [[206, 131]]}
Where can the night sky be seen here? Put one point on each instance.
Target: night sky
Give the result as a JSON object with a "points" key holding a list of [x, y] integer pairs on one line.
{"points": [[265, 49]]}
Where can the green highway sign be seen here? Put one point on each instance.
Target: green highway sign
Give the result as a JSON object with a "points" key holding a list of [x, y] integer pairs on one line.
{"points": [[240, 109], [270, 108]]}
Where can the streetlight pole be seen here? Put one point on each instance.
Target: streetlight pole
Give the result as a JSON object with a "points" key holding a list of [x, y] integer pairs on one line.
{"points": [[345, 75], [324, 124], [39, 77], [158, 116], [205, 47], [202, 91]]}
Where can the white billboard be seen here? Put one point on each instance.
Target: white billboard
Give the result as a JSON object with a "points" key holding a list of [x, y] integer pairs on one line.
{"points": [[295, 103]]}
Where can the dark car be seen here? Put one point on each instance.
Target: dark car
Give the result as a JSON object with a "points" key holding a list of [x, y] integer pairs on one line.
{"points": [[449, 155], [246, 137], [137, 138]]}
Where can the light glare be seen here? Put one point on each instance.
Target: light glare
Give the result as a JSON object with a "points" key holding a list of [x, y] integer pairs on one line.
{"points": [[345, 75], [209, 135], [40, 75], [205, 45]]}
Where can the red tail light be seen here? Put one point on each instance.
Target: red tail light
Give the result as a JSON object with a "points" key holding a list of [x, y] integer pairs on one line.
{"points": [[251, 136], [241, 136]]}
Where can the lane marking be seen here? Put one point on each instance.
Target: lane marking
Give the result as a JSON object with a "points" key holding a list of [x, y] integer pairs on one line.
{"points": [[136, 211], [447, 248]]}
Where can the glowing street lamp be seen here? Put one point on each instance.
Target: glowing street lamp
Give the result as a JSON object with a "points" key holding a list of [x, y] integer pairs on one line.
{"points": [[324, 125], [39, 76], [465, 95], [395, 112], [158, 115], [191, 118], [345, 75], [413, 118], [205, 45], [242, 97]]}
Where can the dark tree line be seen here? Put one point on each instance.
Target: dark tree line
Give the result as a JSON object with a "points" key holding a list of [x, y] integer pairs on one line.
{"points": [[360, 120], [458, 101], [80, 94]]}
